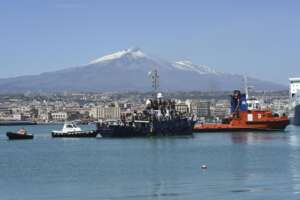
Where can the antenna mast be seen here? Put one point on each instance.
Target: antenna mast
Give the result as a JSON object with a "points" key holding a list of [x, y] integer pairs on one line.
{"points": [[155, 79], [246, 86]]}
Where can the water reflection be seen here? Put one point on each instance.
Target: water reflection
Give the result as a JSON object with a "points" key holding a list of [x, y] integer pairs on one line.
{"points": [[251, 190], [255, 137], [294, 159], [258, 156]]}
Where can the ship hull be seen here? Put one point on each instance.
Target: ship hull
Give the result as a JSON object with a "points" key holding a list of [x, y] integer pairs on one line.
{"points": [[236, 125], [156, 129], [229, 129], [295, 120], [81, 134], [18, 136]]}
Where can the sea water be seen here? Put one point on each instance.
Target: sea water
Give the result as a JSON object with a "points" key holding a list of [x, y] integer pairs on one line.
{"points": [[245, 165]]}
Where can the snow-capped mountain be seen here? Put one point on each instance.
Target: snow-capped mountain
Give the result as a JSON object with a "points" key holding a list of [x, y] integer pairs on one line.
{"points": [[127, 70]]}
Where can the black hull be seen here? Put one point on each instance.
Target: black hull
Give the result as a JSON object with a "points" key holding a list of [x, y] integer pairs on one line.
{"points": [[159, 129], [75, 134], [17, 136]]}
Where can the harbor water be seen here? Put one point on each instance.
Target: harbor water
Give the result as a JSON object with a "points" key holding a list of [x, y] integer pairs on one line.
{"points": [[246, 165]]}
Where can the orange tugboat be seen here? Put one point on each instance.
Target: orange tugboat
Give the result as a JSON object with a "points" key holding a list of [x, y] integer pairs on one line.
{"points": [[246, 115]]}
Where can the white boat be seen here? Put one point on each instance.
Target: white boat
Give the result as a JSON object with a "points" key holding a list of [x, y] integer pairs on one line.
{"points": [[68, 127], [72, 130], [294, 113]]}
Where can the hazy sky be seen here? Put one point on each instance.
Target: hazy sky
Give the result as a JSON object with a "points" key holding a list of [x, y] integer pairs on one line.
{"points": [[260, 38]]}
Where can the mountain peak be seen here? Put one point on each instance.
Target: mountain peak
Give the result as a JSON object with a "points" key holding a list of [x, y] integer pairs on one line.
{"points": [[131, 52]]}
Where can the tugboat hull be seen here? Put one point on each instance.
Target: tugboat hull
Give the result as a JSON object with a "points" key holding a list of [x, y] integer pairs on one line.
{"points": [[239, 125], [229, 129], [17, 136]]}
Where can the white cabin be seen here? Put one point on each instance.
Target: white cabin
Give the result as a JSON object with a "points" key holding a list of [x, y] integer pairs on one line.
{"points": [[253, 104], [69, 127]]}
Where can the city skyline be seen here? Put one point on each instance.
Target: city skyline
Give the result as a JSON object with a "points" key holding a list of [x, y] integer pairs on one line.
{"points": [[254, 38]]}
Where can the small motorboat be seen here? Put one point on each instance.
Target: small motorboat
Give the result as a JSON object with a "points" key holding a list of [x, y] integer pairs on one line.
{"points": [[72, 130], [21, 134]]}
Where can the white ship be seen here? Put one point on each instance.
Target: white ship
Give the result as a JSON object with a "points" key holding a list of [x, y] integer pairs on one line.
{"points": [[72, 130], [68, 128], [295, 100]]}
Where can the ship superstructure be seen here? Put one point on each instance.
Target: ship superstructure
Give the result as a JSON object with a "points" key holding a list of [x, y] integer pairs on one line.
{"points": [[159, 118], [294, 114]]}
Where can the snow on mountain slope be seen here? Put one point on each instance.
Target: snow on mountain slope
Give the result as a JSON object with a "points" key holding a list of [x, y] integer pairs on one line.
{"points": [[133, 53], [122, 57], [189, 66]]}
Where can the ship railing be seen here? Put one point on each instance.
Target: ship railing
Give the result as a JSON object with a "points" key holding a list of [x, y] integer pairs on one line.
{"points": [[142, 121]]}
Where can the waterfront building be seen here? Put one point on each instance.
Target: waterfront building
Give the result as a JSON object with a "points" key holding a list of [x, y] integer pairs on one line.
{"points": [[44, 112], [5, 110], [201, 109], [17, 117], [280, 106], [59, 116], [182, 107], [221, 109], [107, 112]]}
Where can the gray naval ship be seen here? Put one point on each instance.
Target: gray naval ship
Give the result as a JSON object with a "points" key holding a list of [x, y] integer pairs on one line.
{"points": [[294, 114], [159, 118]]}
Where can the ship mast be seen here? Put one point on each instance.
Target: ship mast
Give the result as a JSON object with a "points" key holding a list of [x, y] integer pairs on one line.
{"points": [[155, 80], [246, 86]]}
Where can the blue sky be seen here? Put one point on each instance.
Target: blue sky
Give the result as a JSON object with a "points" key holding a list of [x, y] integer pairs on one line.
{"points": [[259, 38]]}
